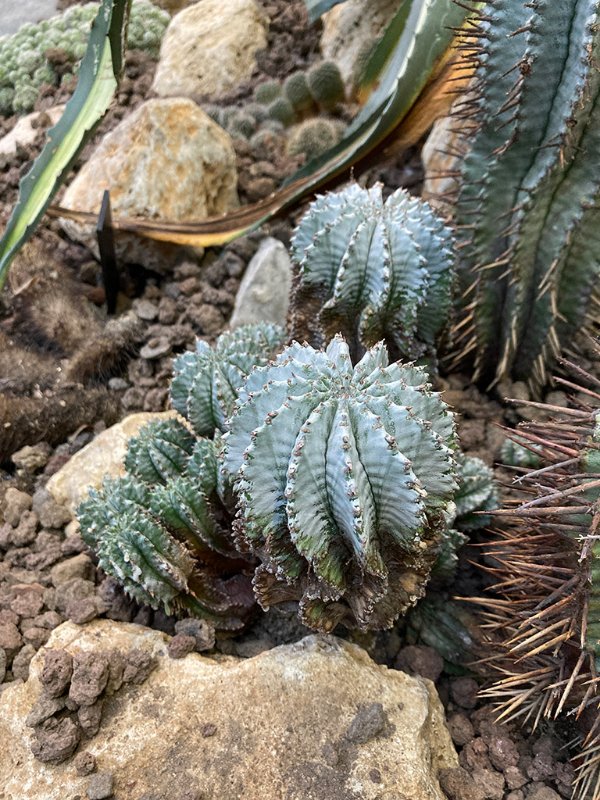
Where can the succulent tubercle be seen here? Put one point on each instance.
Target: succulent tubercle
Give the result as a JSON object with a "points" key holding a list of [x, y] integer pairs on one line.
{"points": [[344, 477]]}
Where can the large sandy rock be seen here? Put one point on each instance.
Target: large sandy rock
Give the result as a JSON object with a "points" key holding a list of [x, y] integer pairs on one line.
{"points": [[264, 293], [350, 29], [167, 160], [316, 720], [210, 47], [102, 457]]}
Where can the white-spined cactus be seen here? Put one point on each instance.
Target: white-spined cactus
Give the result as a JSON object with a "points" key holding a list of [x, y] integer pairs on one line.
{"points": [[205, 383], [373, 270], [345, 478]]}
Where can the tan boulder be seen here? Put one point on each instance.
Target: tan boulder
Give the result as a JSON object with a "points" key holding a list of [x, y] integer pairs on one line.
{"points": [[351, 28], [102, 457], [315, 720], [27, 128], [168, 160], [210, 47]]}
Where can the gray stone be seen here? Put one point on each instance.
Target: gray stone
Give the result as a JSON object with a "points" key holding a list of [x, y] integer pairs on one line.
{"points": [[320, 718], [264, 291], [16, 14], [210, 48], [15, 504]]}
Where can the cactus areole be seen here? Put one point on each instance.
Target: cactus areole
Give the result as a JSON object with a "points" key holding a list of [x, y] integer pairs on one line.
{"points": [[345, 480]]}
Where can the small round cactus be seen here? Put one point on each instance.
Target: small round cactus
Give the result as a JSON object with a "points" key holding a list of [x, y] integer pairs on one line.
{"points": [[267, 91], [242, 124], [313, 138], [373, 270], [281, 110], [345, 478], [297, 91], [326, 84]]}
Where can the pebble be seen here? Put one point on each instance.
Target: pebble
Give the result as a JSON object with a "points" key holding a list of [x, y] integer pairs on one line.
{"points": [[181, 645], [464, 692], [44, 708], [50, 513], [202, 631], [10, 639], [421, 660], [155, 348], [3, 661], [118, 384], [89, 678], [145, 310], [84, 763], [79, 566], [20, 665], [101, 786], [32, 457], [89, 718], [56, 740], [26, 531], [15, 503], [56, 672], [28, 600]]}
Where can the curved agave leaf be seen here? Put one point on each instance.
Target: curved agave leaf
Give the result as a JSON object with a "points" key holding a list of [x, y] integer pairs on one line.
{"points": [[99, 75], [412, 90]]}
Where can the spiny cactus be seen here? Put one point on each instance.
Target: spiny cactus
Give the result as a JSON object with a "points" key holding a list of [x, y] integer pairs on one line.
{"points": [[313, 137], [544, 609], [156, 530], [372, 270], [206, 383], [24, 65], [345, 478], [326, 84], [242, 124], [527, 212], [297, 91], [281, 110]]}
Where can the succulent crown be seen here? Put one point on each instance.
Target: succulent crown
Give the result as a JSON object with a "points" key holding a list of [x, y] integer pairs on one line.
{"points": [[372, 269], [344, 476]]}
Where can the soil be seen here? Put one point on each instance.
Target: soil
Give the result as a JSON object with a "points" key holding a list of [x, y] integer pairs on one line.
{"points": [[47, 574]]}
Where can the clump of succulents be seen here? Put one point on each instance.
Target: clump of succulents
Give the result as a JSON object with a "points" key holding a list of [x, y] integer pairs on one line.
{"points": [[373, 270], [544, 609], [24, 65], [346, 482], [326, 84], [164, 531], [527, 207], [297, 91]]}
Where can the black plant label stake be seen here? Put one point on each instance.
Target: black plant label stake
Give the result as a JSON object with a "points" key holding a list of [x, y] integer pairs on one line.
{"points": [[108, 258]]}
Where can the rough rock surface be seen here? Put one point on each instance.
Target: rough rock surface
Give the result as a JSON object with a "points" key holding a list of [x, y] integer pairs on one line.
{"points": [[209, 48], [318, 717], [103, 456], [350, 29], [26, 129], [167, 160], [264, 292]]}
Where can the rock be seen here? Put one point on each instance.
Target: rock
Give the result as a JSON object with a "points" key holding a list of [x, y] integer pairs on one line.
{"points": [[15, 504], [10, 639], [80, 566], [320, 718], [21, 662], [420, 660], [264, 291], [56, 672], [181, 645], [166, 160], [200, 629], [101, 457], [350, 30], [209, 48], [28, 599], [89, 679], [24, 132], [101, 786], [84, 763], [55, 740], [50, 513], [32, 457]]}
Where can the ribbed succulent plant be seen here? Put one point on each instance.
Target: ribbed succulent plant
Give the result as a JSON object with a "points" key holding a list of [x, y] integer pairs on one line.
{"points": [[372, 270], [528, 211], [162, 532], [345, 478], [206, 383], [544, 609]]}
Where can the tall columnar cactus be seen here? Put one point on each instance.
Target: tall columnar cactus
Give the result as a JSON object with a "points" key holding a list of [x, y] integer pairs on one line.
{"points": [[544, 611], [345, 478], [527, 213], [206, 383], [372, 270]]}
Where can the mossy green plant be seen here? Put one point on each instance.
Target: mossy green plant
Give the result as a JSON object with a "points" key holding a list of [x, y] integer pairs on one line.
{"points": [[326, 84]]}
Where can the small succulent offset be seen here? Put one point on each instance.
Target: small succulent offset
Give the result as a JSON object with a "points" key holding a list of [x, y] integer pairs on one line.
{"points": [[24, 65], [528, 211], [373, 270], [206, 383], [345, 478], [544, 610], [163, 530], [314, 137]]}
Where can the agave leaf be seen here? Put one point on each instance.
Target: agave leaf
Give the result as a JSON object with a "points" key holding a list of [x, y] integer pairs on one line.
{"points": [[413, 89], [99, 75], [316, 8]]}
